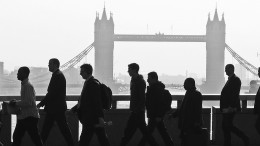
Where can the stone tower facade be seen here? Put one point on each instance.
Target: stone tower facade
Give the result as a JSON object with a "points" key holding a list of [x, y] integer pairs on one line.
{"points": [[104, 47], [215, 54]]}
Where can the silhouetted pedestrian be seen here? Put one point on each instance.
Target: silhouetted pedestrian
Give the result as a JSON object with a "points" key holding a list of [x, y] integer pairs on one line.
{"points": [[89, 109], [257, 107], [229, 105], [55, 104], [137, 107], [156, 108], [189, 113], [27, 119]]}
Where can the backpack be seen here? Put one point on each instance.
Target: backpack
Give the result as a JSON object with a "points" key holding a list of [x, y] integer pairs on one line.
{"points": [[106, 96], [167, 98]]}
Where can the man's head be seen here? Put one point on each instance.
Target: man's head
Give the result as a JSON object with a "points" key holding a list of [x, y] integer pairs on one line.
{"points": [[23, 73], [86, 70], [133, 69], [229, 69], [152, 77], [54, 64], [189, 84]]}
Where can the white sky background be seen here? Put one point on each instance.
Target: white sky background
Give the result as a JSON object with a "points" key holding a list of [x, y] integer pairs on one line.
{"points": [[32, 31]]}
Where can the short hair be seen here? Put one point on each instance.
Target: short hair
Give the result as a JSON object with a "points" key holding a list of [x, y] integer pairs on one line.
{"points": [[25, 70], [153, 75], [190, 82], [55, 61], [134, 66], [231, 66], [87, 67]]}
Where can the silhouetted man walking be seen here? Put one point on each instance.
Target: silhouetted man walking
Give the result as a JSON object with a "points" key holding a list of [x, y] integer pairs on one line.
{"points": [[156, 107], [55, 104], [89, 109], [229, 105], [189, 113], [137, 107], [27, 119]]}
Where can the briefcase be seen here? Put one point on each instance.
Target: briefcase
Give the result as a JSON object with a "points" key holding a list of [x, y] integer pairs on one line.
{"points": [[8, 109]]}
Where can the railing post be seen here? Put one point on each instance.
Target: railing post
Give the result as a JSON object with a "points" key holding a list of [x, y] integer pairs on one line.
{"points": [[178, 103], [114, 104], [244, 104]]}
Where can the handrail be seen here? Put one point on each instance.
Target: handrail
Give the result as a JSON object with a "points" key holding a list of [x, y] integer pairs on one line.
{"points": [[124, 97]]}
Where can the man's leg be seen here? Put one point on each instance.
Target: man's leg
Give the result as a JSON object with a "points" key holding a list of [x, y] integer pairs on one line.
{"points": [[239, 133], [130, 129], [18, 133], [150, 127], [102, 136], [143, 128], [86, 136], [226, 127], [32, 129], [165, 135], [46, 128], [64, 128]]}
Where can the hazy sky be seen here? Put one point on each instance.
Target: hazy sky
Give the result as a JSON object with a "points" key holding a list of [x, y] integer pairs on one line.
{"points": [[32, 31]]}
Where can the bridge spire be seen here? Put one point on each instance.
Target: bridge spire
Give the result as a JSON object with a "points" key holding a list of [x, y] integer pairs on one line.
{"points": [[104, 15], [216, 15], [223, 19], [209, 21]]}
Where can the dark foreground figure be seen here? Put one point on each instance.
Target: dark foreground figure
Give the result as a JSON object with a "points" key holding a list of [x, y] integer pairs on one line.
{"points": [[137, 108], [229, 105], [89, 109]]}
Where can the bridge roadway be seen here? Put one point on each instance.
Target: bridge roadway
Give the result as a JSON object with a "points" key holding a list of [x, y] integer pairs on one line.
{"points": [[211, 116]]}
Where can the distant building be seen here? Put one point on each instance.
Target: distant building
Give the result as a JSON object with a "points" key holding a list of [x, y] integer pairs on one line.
{"points": [[1, 68]]}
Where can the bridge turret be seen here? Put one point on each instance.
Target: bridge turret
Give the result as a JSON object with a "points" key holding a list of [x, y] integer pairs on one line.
{"points": [[223, 19], [216, 16], [215, 50], [104, 48], [111, 19], [209, 21], [104, 14]]}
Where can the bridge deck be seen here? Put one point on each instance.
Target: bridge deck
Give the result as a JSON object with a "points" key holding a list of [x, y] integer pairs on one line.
{"points": [[160, 38]]}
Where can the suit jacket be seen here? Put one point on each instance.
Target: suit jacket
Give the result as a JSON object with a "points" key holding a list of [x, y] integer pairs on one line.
{"points": [[189, 114], [137, 94], [89, 107], [257, 103], [230, 94], [55, 99]]}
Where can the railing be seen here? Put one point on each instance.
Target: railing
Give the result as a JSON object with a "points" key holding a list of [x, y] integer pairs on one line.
{"points": [[119, 117]]}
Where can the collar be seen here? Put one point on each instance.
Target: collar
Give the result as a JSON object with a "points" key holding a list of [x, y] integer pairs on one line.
{"points": [[231, 76], [25, 81], [56, 71], [87, 79]]}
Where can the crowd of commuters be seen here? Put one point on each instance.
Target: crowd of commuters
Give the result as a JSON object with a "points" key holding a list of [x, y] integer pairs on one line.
{"points": [[142, 99]]}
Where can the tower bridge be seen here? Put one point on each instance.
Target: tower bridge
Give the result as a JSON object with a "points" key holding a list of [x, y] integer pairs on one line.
{"points": [[104, 38], [214, 39]]}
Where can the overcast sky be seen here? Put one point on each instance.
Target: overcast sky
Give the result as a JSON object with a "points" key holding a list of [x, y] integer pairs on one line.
{"points": [[32, 31]]}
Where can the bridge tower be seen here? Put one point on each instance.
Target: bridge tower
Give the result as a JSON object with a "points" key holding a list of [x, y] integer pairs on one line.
{"points": [[215, 50], [104, 47]]}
